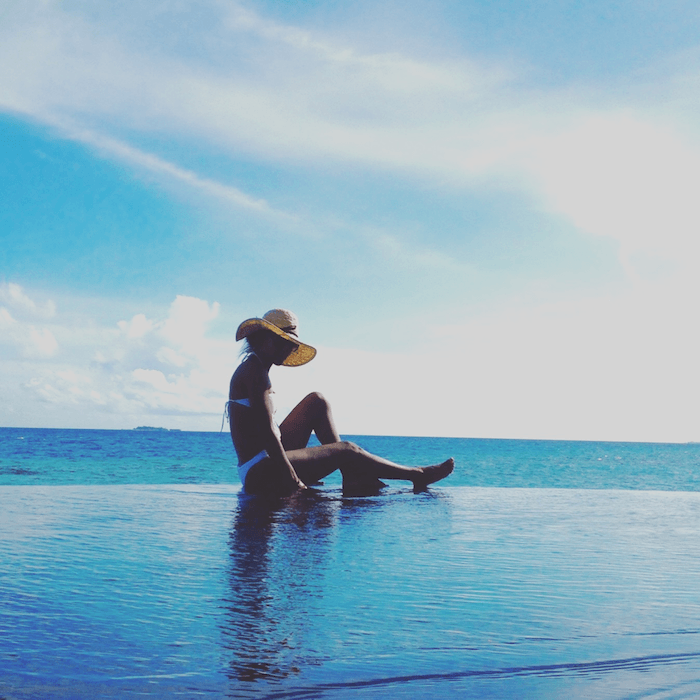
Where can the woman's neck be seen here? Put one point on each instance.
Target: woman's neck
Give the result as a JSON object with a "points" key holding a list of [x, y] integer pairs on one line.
{"points": [[267, 364]]}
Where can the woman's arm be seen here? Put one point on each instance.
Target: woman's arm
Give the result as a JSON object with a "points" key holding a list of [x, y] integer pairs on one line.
{"points": [[262, 409]]}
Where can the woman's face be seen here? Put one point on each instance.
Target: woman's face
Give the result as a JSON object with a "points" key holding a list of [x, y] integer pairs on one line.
{"points": [[275, 348], [284, 350]]}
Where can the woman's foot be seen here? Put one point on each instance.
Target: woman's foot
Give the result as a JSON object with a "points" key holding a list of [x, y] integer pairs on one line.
{"points": [[429, 475]]}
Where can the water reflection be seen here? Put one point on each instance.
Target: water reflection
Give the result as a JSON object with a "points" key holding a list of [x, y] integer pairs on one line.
{"points": [[279, 558]]}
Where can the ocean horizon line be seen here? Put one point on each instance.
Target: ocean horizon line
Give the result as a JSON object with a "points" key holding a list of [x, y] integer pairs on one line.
{"points": [[162, 430]]}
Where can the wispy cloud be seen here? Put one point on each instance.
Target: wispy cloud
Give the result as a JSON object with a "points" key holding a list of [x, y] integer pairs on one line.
{"points": [[289, 95], [14, 298], [257, 86], [157, 166], [391, 71]]}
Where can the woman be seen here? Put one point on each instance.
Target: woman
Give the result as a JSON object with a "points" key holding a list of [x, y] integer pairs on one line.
{"points": [[274, 459]]}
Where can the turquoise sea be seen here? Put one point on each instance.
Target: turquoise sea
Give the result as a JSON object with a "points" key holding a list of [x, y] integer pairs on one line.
{"points": [[131, 565], [48, 457]]}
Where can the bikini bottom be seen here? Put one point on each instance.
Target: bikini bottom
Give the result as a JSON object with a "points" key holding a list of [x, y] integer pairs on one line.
{"points": [[244, 468]]}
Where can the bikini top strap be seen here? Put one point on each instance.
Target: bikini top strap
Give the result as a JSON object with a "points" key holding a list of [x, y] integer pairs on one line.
{"points": [[227, 410]]}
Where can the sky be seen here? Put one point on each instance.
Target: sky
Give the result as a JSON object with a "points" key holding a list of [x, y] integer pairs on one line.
{"points": [[484, 214]]}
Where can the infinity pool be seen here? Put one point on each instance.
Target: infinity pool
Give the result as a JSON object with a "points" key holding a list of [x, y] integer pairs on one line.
{"points": [[189, 591]]}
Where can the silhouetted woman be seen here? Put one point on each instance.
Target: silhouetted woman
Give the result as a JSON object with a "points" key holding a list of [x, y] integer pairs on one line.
{"points": [[276, 459]]}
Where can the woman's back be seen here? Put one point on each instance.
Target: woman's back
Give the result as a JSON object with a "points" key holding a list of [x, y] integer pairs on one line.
{"points": [[246, 407]]}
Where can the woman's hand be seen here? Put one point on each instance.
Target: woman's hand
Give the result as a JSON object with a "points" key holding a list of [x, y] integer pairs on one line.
{"points": [[299, 485], [290, 486]]}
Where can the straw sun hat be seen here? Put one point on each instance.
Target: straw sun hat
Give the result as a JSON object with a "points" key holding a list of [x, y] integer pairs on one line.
{"points": [[284, 324]]}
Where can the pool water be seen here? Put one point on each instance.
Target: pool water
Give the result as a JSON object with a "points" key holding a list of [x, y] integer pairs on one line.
{"points": [[197, 590]]}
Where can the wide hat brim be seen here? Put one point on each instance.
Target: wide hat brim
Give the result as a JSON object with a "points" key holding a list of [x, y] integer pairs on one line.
{"points": [[301, 354]]}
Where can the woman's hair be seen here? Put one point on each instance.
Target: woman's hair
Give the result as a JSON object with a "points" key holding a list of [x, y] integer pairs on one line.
{"points": [[246, 350]]}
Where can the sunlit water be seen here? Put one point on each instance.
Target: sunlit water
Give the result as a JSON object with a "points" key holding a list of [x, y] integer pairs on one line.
{"points": [[195, 590]]}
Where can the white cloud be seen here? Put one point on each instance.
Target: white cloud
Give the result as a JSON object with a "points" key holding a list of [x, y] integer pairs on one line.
{"points": [[390, 72], [614, 368], [6, 320], [283, 92], [153, 164], [620, 368], [21, 336], [253, 86], [289, 95], [155, 379], [624, 176], [171, 357], [42, 343], [102, 376], [13, 296], [137, 327], [188, 320]]}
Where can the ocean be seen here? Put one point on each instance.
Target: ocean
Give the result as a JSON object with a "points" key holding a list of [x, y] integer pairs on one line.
{"points": [[131, 565], [50, 457]]}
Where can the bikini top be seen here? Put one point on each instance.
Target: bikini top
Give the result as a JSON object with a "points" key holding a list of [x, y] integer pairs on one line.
{"points": [[242, 402], [227, 410]]}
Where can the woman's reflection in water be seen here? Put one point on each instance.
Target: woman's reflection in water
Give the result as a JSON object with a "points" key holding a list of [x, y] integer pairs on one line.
{"points": [[279, 553]]}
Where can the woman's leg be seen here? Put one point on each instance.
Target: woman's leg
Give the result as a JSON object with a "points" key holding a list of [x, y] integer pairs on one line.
{"points": [[360, 467], [311, 414]]}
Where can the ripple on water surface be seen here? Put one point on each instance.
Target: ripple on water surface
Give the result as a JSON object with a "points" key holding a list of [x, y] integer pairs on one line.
{"points": [[127, 591]]}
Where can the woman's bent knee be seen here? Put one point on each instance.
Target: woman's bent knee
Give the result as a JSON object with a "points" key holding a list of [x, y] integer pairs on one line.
{"points": [[316, 398], [350, 448]]}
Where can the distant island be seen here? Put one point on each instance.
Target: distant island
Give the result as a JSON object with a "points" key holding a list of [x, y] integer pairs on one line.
{"points": [[149, 427]]}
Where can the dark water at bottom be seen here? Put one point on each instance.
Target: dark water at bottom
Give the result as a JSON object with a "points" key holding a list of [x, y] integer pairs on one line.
{"points": [[197, 591]]}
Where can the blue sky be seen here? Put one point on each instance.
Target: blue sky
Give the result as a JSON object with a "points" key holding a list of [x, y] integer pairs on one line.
{"points": [[484, 214]]}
